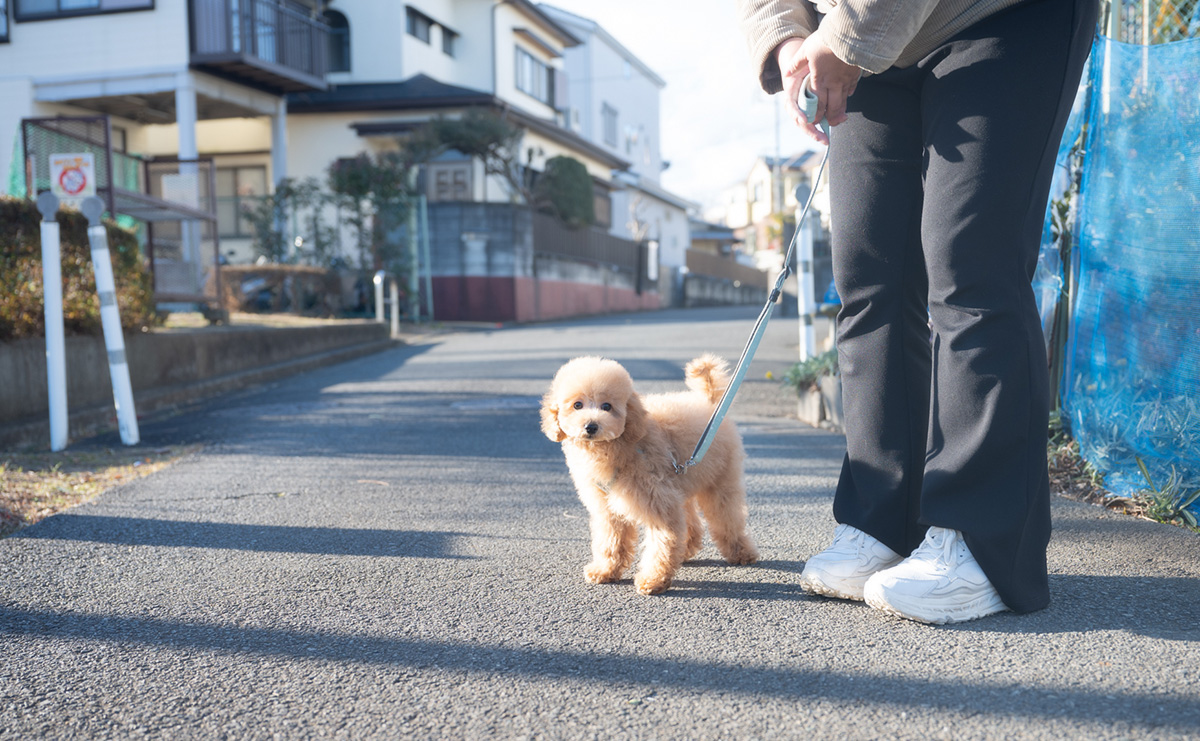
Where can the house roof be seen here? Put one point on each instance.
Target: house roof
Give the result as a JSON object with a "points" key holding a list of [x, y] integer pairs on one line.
{"points": [[418, 91], [799, 161], [423, 93], [715, 232], [564, 35], [590, 26]]}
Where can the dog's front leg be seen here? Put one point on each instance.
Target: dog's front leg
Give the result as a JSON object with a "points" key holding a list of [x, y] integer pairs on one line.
{"points": [[666, 547], [614, 541]]}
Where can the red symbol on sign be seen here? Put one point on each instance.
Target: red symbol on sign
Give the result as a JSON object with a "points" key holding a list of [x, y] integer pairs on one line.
{"points": [[72, 180]]}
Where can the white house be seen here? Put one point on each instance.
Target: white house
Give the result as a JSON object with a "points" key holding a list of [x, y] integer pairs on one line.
{"points": [[614, 103], [178, 79]]}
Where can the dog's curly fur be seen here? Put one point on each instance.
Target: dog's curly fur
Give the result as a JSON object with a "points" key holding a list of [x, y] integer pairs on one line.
{"points": [[621, 449]]}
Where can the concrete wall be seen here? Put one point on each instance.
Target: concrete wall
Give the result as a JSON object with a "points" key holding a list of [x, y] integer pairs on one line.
{"points": [[166, 369]]}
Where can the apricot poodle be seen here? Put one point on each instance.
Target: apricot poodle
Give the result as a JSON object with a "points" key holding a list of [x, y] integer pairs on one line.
{"points": [[622, 450]]}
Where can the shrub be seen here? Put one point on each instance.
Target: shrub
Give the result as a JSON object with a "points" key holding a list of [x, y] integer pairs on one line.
{"points": [[566, 188], [804, 376], [22, 312]]}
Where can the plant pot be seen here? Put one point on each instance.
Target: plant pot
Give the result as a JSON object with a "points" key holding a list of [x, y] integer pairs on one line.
{"points": [[809, 407], [831, 402]]}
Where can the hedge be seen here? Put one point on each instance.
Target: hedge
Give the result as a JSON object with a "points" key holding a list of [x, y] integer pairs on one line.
{"points": [[21, 305]]}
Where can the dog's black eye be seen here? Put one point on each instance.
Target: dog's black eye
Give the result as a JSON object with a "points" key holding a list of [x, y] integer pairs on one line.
{"points": [[606, 407], [577, 405]]}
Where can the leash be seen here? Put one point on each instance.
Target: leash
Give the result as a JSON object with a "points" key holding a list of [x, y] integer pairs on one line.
{"points": [[810, 109]]}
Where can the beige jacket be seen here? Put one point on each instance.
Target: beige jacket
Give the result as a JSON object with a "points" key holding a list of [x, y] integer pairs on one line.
{"points": [[871, 34]]}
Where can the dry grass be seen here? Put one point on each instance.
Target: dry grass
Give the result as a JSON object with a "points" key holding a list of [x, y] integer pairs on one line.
{"points": [[34, 486]]}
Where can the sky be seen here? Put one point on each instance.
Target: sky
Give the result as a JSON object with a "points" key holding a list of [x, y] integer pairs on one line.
{"points": [[715, 118]]}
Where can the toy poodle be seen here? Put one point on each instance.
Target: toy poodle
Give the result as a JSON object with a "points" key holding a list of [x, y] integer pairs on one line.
{"points": [[624, 450]]}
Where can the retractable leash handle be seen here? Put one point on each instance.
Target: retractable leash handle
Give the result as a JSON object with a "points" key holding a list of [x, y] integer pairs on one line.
{"points": [[808, 103]]}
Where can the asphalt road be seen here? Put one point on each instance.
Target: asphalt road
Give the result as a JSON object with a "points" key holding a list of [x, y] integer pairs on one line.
{"points": [[390, 548]]}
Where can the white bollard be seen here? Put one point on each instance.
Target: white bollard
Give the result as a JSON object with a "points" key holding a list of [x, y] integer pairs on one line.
{"points": [[56, 351], [110, 319]]}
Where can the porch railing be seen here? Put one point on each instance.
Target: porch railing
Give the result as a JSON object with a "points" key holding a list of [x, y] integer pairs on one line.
{"points": [[277, 33]]}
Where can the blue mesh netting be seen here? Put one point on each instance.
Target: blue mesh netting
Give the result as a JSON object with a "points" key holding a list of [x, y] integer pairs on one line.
{"points": [[1131, 385]]}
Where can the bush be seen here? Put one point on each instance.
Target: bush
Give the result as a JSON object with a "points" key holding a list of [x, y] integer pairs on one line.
{"points": [[22, 312], [804, 376], [566, 188]]}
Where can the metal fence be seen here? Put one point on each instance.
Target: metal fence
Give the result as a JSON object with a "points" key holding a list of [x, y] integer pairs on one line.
{"points": [[550, 236], [715, 266], [1149, 22]]}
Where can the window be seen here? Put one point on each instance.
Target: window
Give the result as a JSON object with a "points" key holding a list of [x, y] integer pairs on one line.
{"points": [[339, 41], [238, 189], [449, 41], [32, 10], [608, 116], [534, 77], [601, 207], [419, 24], [3, 21], [449, 182]]}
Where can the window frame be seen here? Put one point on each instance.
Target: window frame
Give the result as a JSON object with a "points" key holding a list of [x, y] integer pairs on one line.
{"points": [[4, 22], [237, 199], [609, 122], [22, 17], [538, 72], [339, 37], [412, 17]]}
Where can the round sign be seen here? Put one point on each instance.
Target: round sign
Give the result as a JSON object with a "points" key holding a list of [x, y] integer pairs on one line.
{"points": [[73, 180]]}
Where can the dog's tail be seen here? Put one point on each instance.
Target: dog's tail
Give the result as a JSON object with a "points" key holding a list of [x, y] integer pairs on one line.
{"points": [[708, 375]]}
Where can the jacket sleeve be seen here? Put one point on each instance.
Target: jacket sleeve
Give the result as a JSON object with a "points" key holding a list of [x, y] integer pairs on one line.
{"points": [[870, 34], [768, 23]]}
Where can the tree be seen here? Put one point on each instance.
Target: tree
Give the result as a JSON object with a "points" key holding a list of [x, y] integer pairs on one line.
{"points": [[484, 135], [374, 191], [565, 189]]}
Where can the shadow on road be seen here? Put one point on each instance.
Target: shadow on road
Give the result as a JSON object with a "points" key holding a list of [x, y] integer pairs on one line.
{"points": [[137, 531], [954, 694]]}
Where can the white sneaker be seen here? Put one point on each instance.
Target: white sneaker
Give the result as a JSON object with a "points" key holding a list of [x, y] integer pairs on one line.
{"points": [[941, 582], [843, 568]]}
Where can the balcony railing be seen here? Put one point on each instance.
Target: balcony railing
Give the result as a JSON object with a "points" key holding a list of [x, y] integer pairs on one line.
{"points": [[277, 45]]}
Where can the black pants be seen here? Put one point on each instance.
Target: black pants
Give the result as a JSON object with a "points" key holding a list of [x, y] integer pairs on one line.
{"points": [[938, 184]]}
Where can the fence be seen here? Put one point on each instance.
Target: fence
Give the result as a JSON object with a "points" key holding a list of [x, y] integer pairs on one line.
{"points": [[550, 236], [715, 266], [1128, 252]]}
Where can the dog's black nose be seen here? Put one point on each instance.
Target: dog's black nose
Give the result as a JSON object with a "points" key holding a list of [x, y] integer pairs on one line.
{"points": [[591, 428]]}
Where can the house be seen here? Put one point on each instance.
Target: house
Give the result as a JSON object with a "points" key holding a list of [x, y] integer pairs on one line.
{"points": [[761, 209], [174, 79], [613, 102], [490, 261]]}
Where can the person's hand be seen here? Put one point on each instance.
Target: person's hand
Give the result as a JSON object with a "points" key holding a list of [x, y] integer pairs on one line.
{"points": [[830, 78]]}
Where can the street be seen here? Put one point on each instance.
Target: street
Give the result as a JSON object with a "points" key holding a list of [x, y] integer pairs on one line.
{"points": [[391, 548]]}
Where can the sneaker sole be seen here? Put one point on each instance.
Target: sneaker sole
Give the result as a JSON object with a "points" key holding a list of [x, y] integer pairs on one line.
{"points": [[979, 608], [818, 587]]}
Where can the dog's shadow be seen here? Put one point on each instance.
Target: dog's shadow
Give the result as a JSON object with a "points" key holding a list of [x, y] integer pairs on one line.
{"points": [[784, 589]]}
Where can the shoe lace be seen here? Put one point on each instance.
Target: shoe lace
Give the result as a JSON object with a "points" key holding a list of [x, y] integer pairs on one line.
{"points": [[946, 545]]}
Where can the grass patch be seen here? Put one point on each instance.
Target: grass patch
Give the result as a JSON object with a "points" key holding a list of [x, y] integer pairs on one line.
{"points": [[34, 486]]}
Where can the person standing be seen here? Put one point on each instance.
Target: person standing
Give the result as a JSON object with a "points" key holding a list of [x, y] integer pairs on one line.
{"points": [[945, 116]]}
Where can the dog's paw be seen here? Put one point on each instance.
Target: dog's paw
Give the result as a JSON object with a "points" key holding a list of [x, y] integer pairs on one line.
{"points": [[741, 554], [601, 573], [651, 585]]}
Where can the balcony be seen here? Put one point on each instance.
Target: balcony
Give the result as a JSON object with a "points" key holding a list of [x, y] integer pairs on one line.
{"points": [[275, 45]]}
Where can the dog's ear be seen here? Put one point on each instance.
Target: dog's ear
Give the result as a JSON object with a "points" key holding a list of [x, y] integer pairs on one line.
{"points": [[550, 425], [635, 420]]}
